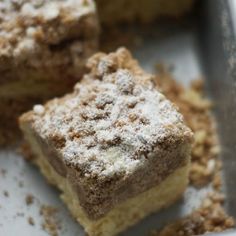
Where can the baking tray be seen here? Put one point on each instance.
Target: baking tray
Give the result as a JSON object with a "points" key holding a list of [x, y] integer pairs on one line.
{"points": [[202, 45]]}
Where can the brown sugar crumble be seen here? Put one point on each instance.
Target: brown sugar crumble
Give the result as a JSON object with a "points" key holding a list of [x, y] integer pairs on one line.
{"points": [[206, 165], [50, 222]]}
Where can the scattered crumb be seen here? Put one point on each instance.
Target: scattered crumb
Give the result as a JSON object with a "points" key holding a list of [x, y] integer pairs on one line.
{"points": [[5, 193], [50, 222], [196, 111], [31, 221], [29, 199], [210, 217], [206, 165]]}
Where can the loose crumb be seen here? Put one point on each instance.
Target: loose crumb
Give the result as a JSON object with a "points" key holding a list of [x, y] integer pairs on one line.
{"points": [[50, 222], [29, 199], [31, 221]]}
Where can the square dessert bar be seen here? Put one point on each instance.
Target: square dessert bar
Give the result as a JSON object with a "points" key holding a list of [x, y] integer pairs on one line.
{"points": [[43, 49], [116, 147]]}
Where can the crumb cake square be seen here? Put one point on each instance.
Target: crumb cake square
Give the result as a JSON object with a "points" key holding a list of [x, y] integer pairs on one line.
{"points": [[43, 49], [116, 147]]}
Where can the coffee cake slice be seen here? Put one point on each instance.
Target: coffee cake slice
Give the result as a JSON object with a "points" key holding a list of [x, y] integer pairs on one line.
{"points": [[116, 147], [43, 49]]}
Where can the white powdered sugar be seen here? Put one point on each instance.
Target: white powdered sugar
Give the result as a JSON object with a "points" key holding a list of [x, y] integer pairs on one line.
{"points": [[51, 11], [110, 127], [38, 109]]}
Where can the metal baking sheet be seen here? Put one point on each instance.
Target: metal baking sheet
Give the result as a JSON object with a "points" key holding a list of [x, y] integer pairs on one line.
{"points": [[180, 47]]}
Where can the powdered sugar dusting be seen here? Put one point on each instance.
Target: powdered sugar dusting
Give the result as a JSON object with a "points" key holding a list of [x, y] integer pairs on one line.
{"points": [[109, 127]]}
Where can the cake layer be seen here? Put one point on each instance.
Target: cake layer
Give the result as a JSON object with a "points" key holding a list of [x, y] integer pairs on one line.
{"points": [[125, 214]]}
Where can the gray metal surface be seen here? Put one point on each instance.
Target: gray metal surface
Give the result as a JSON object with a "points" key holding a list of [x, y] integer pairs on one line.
{"points": [[180, 47], [217, 35]]}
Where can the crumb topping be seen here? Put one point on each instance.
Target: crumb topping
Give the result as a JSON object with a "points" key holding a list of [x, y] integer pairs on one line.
{"points": [[114, 119], [27, 26]]}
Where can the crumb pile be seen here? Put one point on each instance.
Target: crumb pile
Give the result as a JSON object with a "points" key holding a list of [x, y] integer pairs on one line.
{"points": [[206, 165], [210, 217]]}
